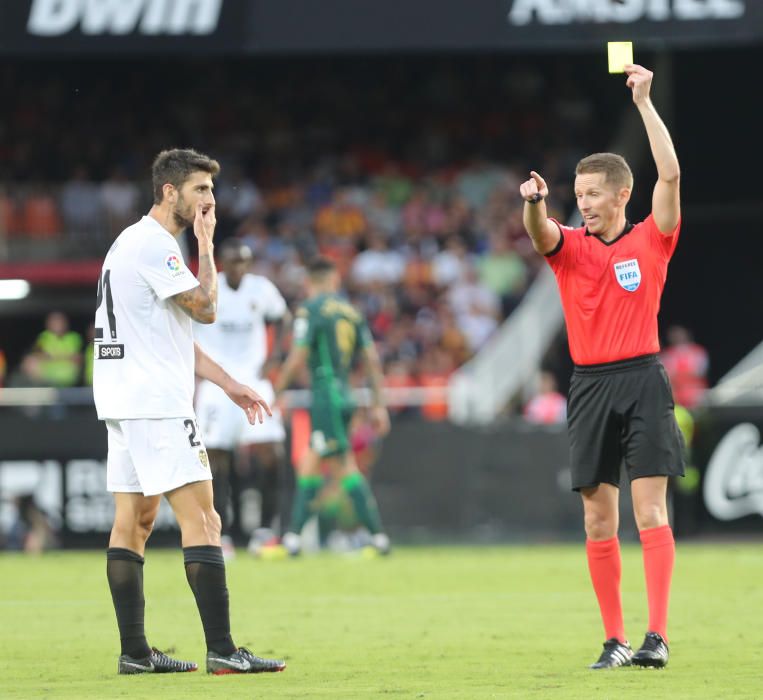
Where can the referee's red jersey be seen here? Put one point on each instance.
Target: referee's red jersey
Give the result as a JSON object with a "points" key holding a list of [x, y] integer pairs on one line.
{"points": [[611, 291]]}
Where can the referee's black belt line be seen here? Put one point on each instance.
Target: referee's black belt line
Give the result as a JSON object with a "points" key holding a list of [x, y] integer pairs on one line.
{"points": [[618, 365]]}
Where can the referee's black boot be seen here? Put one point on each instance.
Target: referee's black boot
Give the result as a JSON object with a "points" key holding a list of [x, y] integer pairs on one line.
{"points": [[653, 652], [615, 654]]}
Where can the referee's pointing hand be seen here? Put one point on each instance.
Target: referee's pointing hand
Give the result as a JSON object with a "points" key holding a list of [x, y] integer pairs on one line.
{"points": [[536, 185]]}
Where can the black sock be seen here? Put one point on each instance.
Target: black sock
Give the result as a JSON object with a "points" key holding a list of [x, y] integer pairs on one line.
{"points": [[124, 569], [205, 570]]}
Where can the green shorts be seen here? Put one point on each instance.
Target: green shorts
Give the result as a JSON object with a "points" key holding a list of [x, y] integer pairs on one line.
{"points": [[330, 415]]}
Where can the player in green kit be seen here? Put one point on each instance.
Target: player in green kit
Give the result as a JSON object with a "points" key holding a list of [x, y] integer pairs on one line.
{"points": [[329, 333]]}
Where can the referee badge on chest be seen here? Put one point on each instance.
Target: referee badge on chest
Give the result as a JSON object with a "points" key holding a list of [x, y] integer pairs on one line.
{"points": [[628, 274]]}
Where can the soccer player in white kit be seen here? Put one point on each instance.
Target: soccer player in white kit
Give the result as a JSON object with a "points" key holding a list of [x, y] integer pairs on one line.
{"points": [[238, 341], [143, 380]]}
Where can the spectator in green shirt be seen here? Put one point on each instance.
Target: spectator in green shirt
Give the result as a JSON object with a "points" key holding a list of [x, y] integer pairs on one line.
{"points": [[60, 351], [503, 271]]}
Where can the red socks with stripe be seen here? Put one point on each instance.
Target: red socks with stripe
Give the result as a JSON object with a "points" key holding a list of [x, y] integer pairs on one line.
{"points": [[605, 567], [659, 549]]}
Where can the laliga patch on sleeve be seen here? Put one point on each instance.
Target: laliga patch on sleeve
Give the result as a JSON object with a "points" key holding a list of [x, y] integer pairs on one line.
{"points": [[620, 54], [174, 265]]}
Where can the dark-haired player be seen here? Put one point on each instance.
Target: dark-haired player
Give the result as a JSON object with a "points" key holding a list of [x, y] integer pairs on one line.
{"points": [[143, 379]]}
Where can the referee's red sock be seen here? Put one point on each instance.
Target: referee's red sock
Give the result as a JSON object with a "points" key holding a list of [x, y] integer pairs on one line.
{"points": [[606, 568], [659, 549]]}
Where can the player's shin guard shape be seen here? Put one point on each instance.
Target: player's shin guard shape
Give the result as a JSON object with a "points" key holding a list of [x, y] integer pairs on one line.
{"points": [[124, 570], [363, 501], [205, 570], [605, 566], [307, 489], [659, 549]]}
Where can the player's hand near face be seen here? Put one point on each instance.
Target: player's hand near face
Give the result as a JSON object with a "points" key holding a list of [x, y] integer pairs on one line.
{"points": [[247, 398], [204, 223], [536, 185], [639, 81]]}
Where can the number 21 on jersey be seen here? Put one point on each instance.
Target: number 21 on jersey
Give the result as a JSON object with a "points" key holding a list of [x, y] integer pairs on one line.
{"points": [[112, 350]]}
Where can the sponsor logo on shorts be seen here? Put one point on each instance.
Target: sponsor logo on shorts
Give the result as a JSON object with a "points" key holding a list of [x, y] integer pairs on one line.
{"points": [[628, 275], [204, 459], [110, 352]]}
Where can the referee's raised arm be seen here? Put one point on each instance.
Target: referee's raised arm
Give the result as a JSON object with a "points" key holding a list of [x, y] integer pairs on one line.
{"points": [[543, 232], [666, 204]]}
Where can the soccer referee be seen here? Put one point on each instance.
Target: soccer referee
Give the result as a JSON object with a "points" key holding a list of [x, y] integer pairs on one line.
{"points": [[611, 274]]}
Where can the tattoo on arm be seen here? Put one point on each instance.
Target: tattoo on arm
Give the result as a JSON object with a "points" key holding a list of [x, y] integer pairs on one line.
{"points": [[200, 303], [208, 276], [197, 304]]}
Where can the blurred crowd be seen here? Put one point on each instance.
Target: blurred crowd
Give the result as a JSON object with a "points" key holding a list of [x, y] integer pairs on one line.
{"points": [[405, 172], [409, 180]]}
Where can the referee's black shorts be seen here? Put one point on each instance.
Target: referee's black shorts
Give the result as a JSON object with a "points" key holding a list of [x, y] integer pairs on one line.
{"points": [[622, 412]]}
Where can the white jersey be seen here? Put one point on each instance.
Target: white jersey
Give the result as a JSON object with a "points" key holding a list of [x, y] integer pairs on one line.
{"points": [[144, 355], [237, 340]]}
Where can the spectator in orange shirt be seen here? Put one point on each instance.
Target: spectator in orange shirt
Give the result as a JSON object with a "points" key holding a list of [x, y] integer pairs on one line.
{"points": [[340, 218], [435, 368], [39, 215]]}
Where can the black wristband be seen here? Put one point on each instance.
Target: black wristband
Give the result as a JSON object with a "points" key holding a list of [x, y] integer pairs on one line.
{"points": [[537, 197]]}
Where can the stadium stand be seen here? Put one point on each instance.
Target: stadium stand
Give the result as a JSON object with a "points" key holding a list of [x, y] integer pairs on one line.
{"points": [[418, 206]]}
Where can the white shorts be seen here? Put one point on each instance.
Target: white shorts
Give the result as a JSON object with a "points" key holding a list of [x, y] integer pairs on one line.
{"points": [[225, 426], [155, 455]]}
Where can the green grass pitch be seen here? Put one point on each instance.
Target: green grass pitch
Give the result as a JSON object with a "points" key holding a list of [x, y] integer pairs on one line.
{"points": [[513, 622]]}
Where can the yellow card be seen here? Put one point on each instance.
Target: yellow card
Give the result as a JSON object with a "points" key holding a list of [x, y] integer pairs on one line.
{"points": [[620, 54]]}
